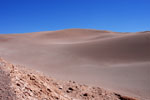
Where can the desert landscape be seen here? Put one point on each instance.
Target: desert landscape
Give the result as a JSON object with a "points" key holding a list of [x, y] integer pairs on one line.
{"points": [[115, 63], [19, 83]]}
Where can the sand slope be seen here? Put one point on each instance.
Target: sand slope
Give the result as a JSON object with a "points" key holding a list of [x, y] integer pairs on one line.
{"points": [[19, 83], [117, 61]]}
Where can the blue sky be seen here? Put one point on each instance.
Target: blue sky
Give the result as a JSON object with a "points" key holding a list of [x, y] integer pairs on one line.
{"points": [[22, 16]]}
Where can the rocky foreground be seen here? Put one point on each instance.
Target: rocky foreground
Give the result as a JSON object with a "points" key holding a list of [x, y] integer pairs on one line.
{"points": [[19, 83]]}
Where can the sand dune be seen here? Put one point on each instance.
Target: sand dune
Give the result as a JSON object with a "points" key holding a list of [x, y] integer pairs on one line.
{"points": [[113, 60]]}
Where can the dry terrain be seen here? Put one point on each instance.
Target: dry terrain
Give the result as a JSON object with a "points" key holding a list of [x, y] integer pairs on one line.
{"points": [[115, 61], [19, 83]]}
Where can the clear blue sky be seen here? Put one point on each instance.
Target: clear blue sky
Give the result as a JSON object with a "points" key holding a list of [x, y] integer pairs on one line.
{"points": [[22, 16]]}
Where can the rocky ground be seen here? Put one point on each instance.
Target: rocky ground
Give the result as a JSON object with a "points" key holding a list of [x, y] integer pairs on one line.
{"points": [[19, 83]]}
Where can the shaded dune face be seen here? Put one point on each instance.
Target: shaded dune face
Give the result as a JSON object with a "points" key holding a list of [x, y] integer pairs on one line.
{"points": [[118, 61], [130, 48]]}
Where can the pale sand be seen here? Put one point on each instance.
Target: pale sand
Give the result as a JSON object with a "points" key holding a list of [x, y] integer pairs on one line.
{"points": [[116, 61]]}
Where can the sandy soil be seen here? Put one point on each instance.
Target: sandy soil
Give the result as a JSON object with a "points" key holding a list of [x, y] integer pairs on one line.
{"points": [[20, 83], [112, 60]]}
